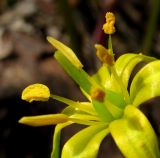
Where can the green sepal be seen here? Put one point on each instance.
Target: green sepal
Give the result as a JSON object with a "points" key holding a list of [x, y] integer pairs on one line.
{"points": [[102, 111], [111, 107], [146, 83], [134, 135], [86, 143], [114, 103], [115, 111], [115, 98], [78, 75], [56, 139]]}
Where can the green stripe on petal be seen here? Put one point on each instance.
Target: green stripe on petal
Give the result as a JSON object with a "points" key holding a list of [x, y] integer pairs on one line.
{"points": [[147, 81], [86, 143], [134, 135]]}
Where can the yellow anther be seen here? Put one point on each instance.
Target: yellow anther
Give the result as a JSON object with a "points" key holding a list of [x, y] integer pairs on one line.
{"points": [[110, 18], [36, 92], [97, 94], [104, 55], [108, 27]]}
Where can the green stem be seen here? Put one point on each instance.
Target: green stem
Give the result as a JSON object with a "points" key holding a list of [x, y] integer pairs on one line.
{"points": [[123, 89], [151, 27], [72, 31], [118, 79], [110, 44]]}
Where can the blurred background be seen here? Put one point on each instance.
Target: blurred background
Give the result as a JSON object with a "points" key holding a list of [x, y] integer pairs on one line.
{"points": [[26, 57]]}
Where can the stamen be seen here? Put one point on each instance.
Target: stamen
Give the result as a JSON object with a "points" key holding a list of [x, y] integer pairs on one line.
{"points": [[97, 94], [104, 55], [108, 27], [36, 92]]}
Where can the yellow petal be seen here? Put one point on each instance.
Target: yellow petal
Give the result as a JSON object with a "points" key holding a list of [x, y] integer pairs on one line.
{"points": [[36, 92], [134, 135], [44, 120], [67, 52], [85, 119]]}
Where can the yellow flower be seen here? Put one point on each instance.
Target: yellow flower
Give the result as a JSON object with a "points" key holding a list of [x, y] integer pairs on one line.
{"points": [[36, 92], [112, 106], [108, 27]]}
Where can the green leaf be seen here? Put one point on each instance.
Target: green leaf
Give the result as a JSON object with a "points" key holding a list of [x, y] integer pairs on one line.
{"points": [[134, 135], [56, 139], [146, 83], [85, 144], [78, 75], [127, 62]]}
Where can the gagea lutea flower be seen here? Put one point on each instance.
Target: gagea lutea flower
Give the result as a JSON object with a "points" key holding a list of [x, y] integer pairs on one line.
{"points": [[111, 108]]}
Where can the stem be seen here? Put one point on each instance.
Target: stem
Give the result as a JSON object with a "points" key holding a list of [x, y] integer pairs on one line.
{"points": [[123, 89], [151, 27], [118, 79], [110, 44], [74, 35]]}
